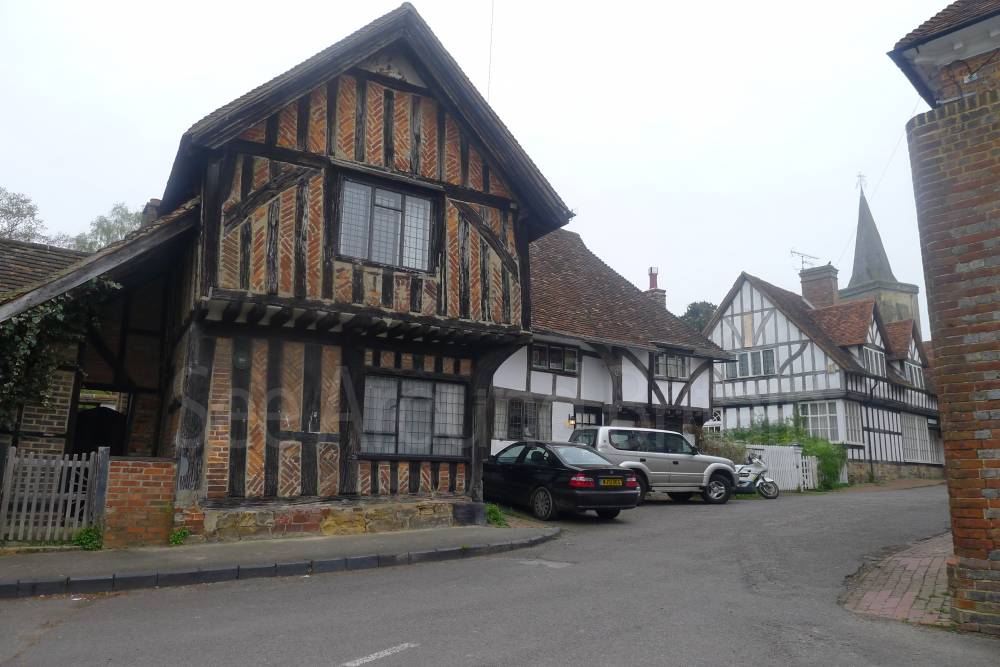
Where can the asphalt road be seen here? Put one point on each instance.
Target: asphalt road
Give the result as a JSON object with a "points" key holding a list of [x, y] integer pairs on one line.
{"points": [[666, 584]]}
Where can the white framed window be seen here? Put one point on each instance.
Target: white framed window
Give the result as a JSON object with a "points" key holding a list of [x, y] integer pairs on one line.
{"points": [[874, 361], [914, 373], [670, 366], [404, 416], [852, 415], [916, 439], [819, 419], [754, 363], [385, 226]]}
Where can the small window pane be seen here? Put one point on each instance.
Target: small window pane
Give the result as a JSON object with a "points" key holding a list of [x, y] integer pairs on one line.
{"points": [[556, 358], [380, 405], [416, 236], [500, 419], [540, 356], [414, 425], [385, 236], [531, 420], [355, 213], [569, 363], [731, 370], [744, 365], [449, 410], [388, 199], [768, 356], [755, 362], [515, 419]]}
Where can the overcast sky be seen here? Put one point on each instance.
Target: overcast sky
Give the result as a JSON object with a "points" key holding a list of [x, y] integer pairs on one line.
{"points": [[704, 138]]}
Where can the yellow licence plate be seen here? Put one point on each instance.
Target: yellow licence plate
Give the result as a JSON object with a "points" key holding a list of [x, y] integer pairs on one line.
{"points": [[611, 482]]}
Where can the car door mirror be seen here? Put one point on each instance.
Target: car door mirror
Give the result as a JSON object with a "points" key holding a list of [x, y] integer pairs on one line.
{"points": [[491, 459]]}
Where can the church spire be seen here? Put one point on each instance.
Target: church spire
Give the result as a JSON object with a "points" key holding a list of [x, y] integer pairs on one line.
{"points": [[871, 264]]}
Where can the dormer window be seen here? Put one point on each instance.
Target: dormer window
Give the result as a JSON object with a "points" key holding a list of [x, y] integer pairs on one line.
{"points": [[384, 226], [873, 360], [914, 374]]}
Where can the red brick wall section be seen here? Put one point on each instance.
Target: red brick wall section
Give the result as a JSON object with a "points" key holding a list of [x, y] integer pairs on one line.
{"points": [[955, 157], [139, 508]]}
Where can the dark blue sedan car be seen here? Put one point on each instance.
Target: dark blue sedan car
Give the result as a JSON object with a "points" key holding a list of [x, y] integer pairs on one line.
{"points": [[550, 477]]}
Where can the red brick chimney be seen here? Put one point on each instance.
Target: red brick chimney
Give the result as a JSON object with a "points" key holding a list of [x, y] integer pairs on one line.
{"points": [[658, 295], [819, 285]]}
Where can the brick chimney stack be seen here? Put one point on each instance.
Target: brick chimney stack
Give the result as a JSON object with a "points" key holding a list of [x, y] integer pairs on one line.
{"points": [[819, 285], [658, 295], [150, 211]]}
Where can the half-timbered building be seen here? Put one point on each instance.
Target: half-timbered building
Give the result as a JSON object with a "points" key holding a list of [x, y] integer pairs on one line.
{"points": [[602, 352], [318, 304], [840, 371]]}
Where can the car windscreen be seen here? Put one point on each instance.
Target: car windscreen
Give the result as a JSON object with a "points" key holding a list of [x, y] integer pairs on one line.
{"points": [[578, 456]]}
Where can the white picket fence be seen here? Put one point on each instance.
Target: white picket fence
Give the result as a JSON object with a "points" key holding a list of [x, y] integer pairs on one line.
{"points": [[787, 466]]}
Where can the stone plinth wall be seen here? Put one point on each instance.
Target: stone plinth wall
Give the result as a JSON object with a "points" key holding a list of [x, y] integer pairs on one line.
{"points": [[858, 471], [334, 518], [139, 505], [955, 157]]}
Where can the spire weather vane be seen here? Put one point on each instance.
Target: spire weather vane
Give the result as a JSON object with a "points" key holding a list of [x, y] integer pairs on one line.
{"points": [[862, 181]]}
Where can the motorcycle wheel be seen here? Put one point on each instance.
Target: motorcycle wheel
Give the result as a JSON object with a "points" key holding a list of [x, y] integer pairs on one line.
{"points": [[768, 490]]}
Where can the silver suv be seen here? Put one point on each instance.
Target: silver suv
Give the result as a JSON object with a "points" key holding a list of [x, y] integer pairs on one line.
{"points": [[663, 461]]}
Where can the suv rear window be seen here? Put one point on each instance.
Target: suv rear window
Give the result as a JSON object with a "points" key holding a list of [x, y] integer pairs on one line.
{"points": [[586, 436], [578, 456]]}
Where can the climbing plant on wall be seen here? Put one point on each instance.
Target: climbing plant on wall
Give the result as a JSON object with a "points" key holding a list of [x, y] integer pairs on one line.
{"points": [[32, 345]]}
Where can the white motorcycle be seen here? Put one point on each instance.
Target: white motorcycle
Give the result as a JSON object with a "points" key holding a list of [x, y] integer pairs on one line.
{"points": [[753, 480]]}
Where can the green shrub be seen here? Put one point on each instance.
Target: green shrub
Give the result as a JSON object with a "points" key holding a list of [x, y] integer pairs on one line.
{"points": [[89, 539], [832, 457], [494, 516], [178, 536], [714, 444]]}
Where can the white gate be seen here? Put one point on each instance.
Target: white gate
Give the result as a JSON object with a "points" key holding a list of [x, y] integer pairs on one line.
{"points": [[785, 465]]}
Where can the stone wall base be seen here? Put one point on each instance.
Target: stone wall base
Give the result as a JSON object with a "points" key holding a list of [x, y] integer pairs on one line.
{"points": [[339, 517], [975, 590], [858, 472]]}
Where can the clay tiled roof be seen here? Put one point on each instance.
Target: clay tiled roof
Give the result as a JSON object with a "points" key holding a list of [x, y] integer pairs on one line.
{"points": [[847, 322], [955, 16], [574, 293], [900, 334], [22, 263], [402, 23]]}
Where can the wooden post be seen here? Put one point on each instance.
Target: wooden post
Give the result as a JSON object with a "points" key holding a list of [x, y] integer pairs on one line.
{"points": [[352, 399], [99, 486], [6, 488], [190, 443]]}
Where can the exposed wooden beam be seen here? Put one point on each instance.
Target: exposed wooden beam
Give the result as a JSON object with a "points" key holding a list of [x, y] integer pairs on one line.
{"points": [[358, 322], [232, 311], [377, 327], [281, 317], [256, 313], [306, 318], [327, 322]]}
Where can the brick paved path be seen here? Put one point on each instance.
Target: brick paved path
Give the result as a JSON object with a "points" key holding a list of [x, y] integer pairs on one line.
{"points": [[910, 585]]}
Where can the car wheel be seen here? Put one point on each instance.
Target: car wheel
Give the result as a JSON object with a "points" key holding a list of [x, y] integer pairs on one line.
{"points": [[679, 497], [643, 487], [608, 514], [543, 505], [718, 490]]}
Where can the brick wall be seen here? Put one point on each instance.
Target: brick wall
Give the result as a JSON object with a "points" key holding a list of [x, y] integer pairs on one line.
{"points": [[139, 508], [949, 82], [955, 158]]}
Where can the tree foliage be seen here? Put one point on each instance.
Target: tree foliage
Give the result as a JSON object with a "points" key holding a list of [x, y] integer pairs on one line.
{"points": [[698, 314], [19, 219], [104, 229], [30, 345]]}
